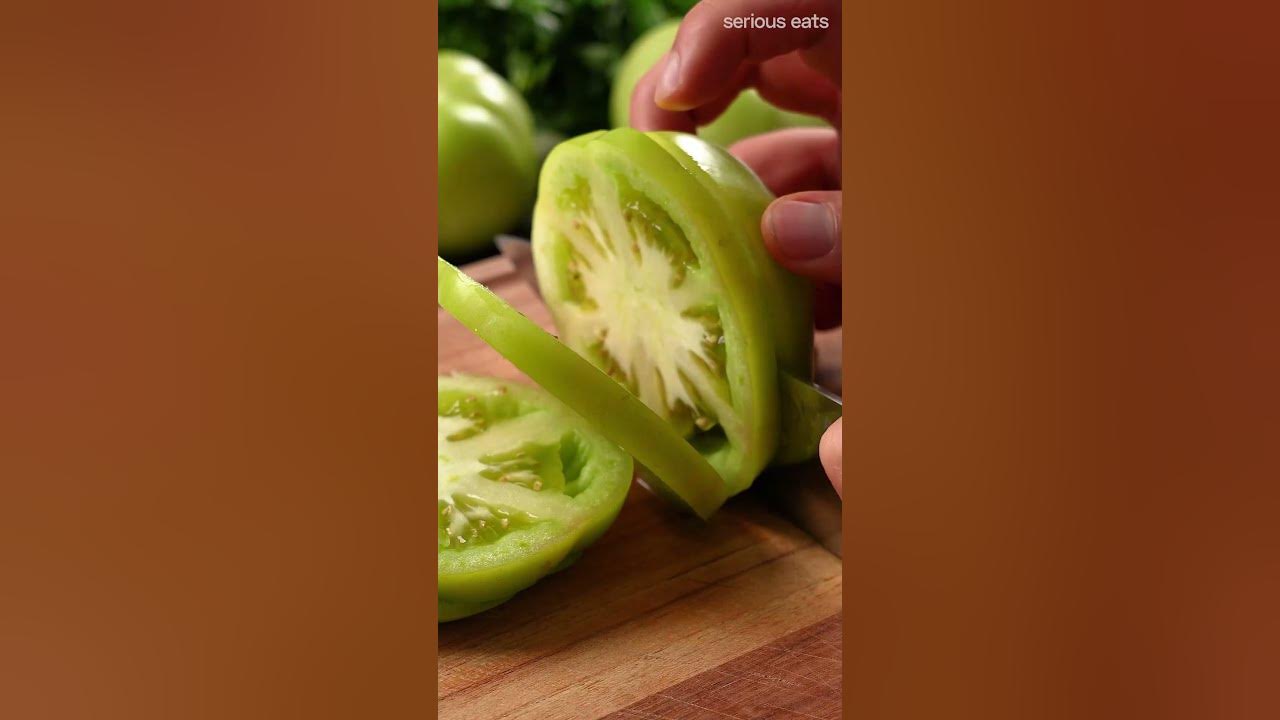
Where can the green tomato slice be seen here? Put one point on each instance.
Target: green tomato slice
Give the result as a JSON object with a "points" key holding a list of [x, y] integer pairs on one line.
{"points": [[524, 486], [649, 256], [671, 466]]}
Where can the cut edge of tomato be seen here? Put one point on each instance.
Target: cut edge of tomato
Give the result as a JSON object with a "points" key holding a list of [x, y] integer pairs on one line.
{"points": [[606, 404]]}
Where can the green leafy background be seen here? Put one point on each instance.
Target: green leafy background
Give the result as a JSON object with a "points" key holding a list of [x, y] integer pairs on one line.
{"points": [[560, 54]]}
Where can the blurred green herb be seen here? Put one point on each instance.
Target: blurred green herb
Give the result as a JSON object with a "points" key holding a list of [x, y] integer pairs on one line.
{"points": [[560, 54]]}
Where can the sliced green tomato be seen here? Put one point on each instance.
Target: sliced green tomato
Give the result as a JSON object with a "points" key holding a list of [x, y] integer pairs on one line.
{"points": [[649, 256], [524, 486], [670, 465]]}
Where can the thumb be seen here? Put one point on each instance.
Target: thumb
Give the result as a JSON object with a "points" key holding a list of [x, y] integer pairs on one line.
{"points": [[802, 232]]}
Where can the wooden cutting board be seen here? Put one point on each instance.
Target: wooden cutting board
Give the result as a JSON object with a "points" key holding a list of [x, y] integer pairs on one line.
{"points": [[665, 617]]}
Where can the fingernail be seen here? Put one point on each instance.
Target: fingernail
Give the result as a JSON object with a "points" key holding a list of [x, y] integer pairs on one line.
{"points": [[803, 231], [670, 80]]}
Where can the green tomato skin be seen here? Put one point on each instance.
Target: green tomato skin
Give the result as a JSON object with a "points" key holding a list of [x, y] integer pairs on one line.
{"points": [[487, 155], [448, 610], [749, 115]]}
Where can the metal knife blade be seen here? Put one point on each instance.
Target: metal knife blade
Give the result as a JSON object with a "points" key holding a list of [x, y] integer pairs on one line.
{"points": [[800, 492], [803, 494]]}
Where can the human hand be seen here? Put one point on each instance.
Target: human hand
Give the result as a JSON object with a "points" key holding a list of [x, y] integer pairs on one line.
{"points": [[796, 69]]}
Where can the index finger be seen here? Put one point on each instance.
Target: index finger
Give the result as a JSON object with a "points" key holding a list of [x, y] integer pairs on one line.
{"points": [[718, 37]]}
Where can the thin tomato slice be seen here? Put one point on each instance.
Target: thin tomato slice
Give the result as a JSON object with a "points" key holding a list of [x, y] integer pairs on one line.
{"points": [[670, 465]]}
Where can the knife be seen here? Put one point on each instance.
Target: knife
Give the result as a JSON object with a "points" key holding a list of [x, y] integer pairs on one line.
{"points": [[801, 492]]}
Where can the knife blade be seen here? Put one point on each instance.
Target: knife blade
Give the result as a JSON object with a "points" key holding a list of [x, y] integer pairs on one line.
{"points": [[800, 492], [803, 494]]}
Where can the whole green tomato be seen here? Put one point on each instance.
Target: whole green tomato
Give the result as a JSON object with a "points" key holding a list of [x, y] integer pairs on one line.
{"points": [[749, 115], [488, 161]]}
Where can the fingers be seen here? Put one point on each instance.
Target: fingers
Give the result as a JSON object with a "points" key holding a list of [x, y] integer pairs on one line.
{"points": [[785, 82], [831, 452], [802, 232], [708, 50], [647, 115], [709, 64], [791, 84], [789, 161]]}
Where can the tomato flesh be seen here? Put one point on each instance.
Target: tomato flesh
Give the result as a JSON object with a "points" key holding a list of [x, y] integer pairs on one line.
{"points": [[524, 485], [649, 256]]}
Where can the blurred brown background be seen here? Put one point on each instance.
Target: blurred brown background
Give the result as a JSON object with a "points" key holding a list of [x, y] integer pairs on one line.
{"points": [[215, 242], [1061, 353]]}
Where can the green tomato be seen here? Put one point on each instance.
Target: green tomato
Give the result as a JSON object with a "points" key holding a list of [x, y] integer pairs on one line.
{"points": [[524, 486], [649, 256], [669, 465], [488, 159], [749, 115]]}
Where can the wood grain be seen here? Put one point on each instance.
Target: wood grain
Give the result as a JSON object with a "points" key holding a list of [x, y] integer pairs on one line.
{"points": [[653, 611], [806, 663]]}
